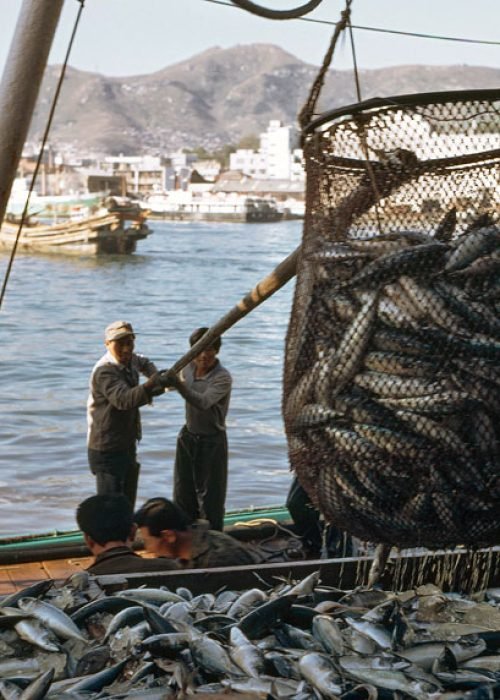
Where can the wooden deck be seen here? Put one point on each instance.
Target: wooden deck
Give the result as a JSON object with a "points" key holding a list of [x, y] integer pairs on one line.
{"points": [[14, 577]]}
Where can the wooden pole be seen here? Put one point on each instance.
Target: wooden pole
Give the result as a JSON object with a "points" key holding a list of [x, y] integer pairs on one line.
{"points": [[21, 82], [281, 274]]}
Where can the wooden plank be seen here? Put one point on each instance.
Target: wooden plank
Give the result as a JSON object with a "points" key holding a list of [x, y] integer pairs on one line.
{"points": [[6, 584], [22, 575], [60, 569]]}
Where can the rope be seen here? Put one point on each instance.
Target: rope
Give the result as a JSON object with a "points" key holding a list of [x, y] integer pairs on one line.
{"points": [[354, 62], [307, 110], [361, 133], [418, 35], [260, 11], [24, 215]]}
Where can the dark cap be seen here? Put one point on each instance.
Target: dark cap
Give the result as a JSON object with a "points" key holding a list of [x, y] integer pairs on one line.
{"points": [[117, 330]]}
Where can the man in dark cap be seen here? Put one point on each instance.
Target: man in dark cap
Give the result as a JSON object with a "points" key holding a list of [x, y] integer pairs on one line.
{"points": [[200, 472], [108, 529], [114, 426], [169, 532]]}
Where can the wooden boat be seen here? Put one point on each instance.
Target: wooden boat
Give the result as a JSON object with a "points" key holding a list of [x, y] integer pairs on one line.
{"points": [[107, 233], [245, 524], [25, 559]]}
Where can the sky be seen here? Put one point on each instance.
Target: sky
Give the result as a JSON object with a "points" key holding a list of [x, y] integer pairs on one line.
{"points": [[131, 37]]}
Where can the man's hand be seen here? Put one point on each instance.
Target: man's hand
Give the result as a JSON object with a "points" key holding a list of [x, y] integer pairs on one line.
{"points": [[154, 385], [169, 379]]}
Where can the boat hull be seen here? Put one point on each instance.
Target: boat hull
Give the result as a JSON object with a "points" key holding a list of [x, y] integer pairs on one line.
{"points": [[102, 235]]}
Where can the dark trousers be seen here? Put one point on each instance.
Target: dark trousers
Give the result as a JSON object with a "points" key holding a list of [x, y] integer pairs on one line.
{"points": [[200, 476], [115, 472], [317, 536]]}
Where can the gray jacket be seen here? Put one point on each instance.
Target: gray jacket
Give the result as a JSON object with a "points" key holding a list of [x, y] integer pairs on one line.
{"points": [[113, 404], [207, 399]]}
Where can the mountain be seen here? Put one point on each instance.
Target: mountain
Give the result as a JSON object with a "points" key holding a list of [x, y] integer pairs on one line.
{"points": [[217, 97]]}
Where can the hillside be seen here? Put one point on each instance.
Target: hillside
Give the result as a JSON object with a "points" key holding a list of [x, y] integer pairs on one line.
{"points": [[217, 97]]}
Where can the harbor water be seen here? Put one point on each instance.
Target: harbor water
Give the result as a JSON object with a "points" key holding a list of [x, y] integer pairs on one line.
{"points": [[183, 276]]}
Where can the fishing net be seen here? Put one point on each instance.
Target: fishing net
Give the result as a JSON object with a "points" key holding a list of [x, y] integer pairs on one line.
{"points": [[392, 376]]}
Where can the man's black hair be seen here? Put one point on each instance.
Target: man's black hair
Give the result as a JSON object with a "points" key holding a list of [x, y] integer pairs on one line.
{"points": [[159, 514], [199, 333], [106, 518]]}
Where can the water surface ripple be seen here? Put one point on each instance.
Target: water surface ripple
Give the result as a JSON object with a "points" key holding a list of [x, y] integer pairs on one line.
{"points": [[183, 276]]}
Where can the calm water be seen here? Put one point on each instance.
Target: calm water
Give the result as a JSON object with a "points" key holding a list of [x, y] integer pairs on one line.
{"points": [[51, 325]]}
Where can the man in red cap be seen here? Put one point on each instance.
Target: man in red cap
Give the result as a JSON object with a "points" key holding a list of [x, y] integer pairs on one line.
{"points": [[114, 425]]}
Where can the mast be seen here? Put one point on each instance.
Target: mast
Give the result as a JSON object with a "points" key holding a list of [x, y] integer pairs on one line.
{"points": [[21, 80]]}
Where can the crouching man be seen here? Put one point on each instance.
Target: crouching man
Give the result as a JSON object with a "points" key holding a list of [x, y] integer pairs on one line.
{"points": [[168, 532], [108, 530]]}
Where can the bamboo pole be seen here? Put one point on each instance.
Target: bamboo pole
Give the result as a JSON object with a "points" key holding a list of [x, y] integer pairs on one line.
{"points": [[281, 274]]}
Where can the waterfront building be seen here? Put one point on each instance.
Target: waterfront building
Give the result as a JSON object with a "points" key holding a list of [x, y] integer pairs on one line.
{"points": [[275, 159]]}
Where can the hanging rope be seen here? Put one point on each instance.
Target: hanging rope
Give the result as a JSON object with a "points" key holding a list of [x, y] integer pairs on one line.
{"points": [[354, 62], [307, 110], [260, 11], [24, 215]]}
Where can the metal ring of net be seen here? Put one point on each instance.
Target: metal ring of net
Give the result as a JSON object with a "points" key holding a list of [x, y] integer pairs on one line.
{"points": [[392, 377]]}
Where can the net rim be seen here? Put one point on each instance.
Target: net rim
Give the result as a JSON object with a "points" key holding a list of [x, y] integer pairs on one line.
{"points": [[397, 101]]}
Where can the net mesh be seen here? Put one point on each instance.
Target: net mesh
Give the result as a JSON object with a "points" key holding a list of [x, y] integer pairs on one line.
{"points": [[392, 377]]}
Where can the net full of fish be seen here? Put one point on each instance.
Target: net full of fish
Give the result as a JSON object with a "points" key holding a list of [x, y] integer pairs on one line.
{"points": [[292, 640], [391, 396]]}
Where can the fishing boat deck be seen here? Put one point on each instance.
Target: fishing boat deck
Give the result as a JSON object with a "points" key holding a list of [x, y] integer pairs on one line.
{"points": [[14, 577]]}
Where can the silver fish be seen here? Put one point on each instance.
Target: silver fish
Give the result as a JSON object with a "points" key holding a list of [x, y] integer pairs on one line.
{"points": [[432, 305], [52, 617], [156, 596], [26, 667], [425, 654], [212, 656], [341, 366], [327, 631], [376, 633], [34, 632], [306, 586], [246, 601], [37, 689], [319, 671], [384, 674], [475, 244], [246, 655]]}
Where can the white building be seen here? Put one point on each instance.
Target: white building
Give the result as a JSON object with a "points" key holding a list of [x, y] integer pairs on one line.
{"points": [[274, 159], [143, 173]]}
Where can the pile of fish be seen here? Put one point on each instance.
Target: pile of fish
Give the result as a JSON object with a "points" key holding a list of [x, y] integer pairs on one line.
{"points": [[393, 414], [302, 640]]}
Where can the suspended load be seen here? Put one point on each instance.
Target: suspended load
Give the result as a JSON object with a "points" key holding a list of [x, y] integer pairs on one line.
{"points": [[392, 370]]}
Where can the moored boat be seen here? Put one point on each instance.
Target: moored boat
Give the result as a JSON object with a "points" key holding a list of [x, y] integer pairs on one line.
{"points": [[187, 206], [107, 233]]}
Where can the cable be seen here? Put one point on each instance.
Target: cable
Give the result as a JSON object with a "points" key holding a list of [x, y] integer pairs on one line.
{"points": [[24, 215], [418, 35], [295, 13]]}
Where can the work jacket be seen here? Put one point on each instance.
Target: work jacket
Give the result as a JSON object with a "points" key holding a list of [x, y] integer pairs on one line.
{"points": [[114, 423]]}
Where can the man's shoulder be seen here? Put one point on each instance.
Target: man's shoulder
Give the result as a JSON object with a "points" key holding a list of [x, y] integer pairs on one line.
{"points": [[124, 561], [221, 368], [214, 548], [221, 375], [158, 564], [105, 366]]}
